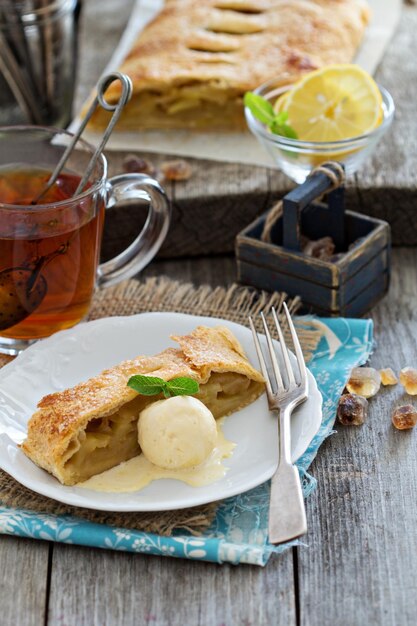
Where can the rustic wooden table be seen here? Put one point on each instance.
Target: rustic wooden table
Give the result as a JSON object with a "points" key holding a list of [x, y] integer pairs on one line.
{"points": [[359, 564]]}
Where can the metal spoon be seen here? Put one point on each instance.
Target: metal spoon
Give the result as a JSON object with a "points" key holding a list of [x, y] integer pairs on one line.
{"points": [[116, 108]]}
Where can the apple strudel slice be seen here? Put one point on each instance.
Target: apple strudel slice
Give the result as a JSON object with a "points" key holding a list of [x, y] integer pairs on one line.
{"points": [[92, 427], [192, 64]]}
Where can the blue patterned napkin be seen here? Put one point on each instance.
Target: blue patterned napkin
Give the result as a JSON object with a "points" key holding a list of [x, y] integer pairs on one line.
{"points": [[239, 531]]}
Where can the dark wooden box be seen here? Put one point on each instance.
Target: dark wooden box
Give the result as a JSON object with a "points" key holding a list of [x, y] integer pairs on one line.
{"points": [[350, 285]]}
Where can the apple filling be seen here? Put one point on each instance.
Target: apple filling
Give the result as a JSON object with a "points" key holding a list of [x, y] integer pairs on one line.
{"points": [[198, 106], [110, 440]]}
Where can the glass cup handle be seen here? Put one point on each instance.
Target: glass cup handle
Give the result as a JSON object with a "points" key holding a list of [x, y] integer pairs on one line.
{"points": [[142, 250]]}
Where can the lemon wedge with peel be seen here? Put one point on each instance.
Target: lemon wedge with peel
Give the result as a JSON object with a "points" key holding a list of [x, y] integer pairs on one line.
{"points": [[334, 103]]}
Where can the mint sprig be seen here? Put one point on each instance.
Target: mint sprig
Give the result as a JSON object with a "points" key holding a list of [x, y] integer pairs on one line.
{"points": [[264, 112], [262, 109], [152, 385]]}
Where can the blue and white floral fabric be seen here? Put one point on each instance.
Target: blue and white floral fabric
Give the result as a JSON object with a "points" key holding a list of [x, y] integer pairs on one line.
{"points": [[238, 533]]}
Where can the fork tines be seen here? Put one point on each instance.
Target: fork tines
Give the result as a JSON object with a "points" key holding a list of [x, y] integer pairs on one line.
{"points": [[278, 384]]}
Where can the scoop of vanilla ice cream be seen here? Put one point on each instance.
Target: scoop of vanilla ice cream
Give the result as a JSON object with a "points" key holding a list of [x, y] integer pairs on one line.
{"points": [[177, 433]]}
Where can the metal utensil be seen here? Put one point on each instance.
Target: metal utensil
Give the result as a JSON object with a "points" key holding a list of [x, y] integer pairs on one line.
{"points": [[16, 80], [15, 32], [117, 108], [285, 389]]}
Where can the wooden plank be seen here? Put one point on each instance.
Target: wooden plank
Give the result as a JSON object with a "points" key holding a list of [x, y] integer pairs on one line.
{"points": [[214, 205], [360, 567], [387, 183], [207, 211], [362, 253], [123, 223], [97, 587], [367, 299], [23, 581], [266, 278], [279, 260], [216, 271]]}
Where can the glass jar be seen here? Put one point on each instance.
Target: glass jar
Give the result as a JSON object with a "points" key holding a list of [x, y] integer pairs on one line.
{"points": [[38, 54]]}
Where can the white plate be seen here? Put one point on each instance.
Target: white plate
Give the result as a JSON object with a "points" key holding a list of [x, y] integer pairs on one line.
{"points": [[74, 355]]}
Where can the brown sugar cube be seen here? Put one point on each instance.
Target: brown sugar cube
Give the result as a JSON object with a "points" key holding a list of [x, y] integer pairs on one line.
{"points": [[404, 417], [408, 378], [320, 249], [388, 377], [133, 164], [352, 410], [364, 381], [176, 170]]}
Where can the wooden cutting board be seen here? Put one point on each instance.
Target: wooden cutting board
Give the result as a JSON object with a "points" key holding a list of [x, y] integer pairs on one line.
{"points": [[220, 199]]}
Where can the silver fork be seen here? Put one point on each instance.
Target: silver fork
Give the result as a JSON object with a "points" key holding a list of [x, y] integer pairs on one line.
{"points": [[287, 516]]}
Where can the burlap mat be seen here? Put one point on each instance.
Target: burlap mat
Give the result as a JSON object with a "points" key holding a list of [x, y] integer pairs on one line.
{"points": [[159, 294]]}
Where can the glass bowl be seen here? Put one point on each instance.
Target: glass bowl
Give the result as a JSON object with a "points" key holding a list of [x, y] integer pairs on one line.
{"points": [[297, 158]]}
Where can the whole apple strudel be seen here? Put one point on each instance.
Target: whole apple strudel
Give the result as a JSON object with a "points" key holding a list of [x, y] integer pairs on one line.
{"points": [[92, 427], [192, 64]]}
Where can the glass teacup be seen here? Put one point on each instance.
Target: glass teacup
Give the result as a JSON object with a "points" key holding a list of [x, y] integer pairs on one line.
{"points": [[49, 251]]}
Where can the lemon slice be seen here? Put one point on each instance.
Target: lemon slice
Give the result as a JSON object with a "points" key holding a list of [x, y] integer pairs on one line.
{"points": [[334, 103]]}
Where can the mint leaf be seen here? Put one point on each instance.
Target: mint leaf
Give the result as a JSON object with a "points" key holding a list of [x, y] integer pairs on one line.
{"points": [[264, 111], [289, 131], [276, 128], [281, 118], [259, 107], [182, 386], [147, 385], [285, 130], [152, 385]]}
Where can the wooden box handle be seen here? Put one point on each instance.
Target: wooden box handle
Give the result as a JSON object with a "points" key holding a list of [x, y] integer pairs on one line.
{"points": [[326, 178]]}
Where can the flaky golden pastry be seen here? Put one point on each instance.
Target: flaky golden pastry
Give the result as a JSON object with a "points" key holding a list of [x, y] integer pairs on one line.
{"points": [[192, 64], [83, 431]]}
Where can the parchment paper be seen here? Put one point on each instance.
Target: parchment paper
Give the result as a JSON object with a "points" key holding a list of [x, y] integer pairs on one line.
{"points": [[233, 147]]}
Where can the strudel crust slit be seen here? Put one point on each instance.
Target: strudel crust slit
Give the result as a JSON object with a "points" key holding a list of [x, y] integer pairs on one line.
{"points": [[83, 431], [192, 64]]}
